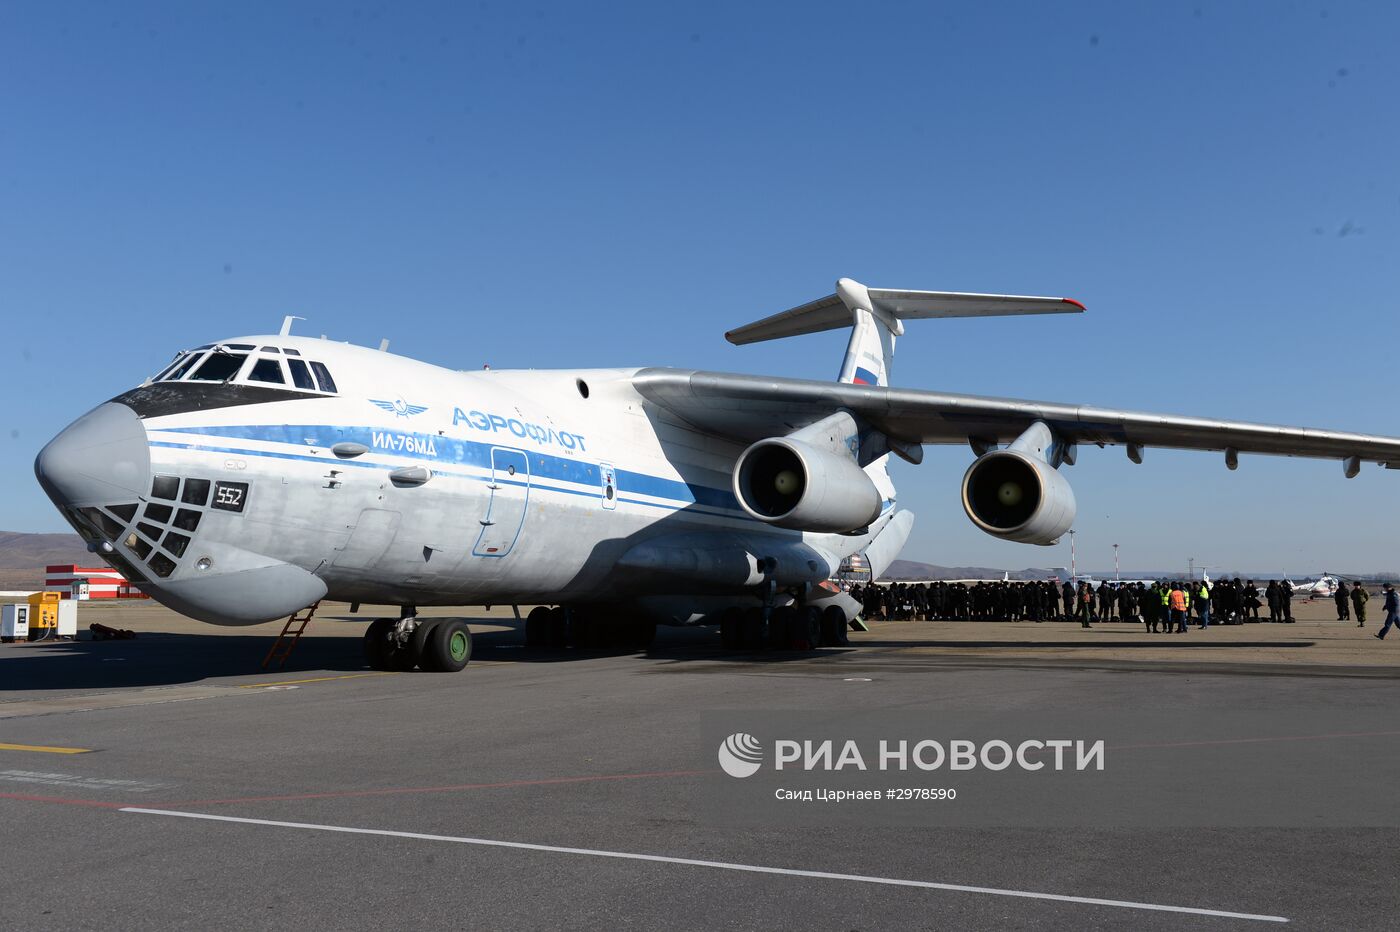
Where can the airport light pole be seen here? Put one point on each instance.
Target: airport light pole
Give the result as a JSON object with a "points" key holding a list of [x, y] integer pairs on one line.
{"points": [[1073, 574], [1115, 563]]}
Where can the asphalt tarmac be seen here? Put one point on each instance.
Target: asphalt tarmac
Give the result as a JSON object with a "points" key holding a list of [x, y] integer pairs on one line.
{"points": [[167, 783]]}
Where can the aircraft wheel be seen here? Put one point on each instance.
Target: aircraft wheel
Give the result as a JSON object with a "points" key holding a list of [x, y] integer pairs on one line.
{"points": [[833, 625], [403, 656], [751, 629], [808, 632], [731, 628], [412, 655], [557, 628], [782, 625], [447, 647], [537, 627], [378, 648]]}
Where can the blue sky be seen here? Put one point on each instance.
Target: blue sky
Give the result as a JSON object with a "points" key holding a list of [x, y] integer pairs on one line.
{"points": [[540, 185]]}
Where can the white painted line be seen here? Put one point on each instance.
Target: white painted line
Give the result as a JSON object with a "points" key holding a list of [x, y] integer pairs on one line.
{"points": [[721, 865], [81, 782]]}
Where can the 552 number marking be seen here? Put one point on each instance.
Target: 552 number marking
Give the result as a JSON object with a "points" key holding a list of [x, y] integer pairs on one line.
{"points": [[230, 496]]}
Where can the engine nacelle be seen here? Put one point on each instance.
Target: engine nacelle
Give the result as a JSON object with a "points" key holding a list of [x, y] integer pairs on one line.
{"points": [[1016, 495], [789, 482]]}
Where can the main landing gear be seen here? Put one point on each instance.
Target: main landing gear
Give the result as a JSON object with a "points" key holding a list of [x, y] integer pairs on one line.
{"points": [[588, 628], [434, 645], [792, 627]]}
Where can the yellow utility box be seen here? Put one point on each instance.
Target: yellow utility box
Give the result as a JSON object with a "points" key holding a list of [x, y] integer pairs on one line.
{"points": [[43, 611]]}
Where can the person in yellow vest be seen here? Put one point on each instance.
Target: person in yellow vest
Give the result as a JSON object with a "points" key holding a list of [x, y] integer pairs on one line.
{"points": [[1203, 605], [1178, 604]]}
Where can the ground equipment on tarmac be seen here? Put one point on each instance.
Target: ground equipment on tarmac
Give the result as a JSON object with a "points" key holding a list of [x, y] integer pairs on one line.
{"points": [[101, 632]]}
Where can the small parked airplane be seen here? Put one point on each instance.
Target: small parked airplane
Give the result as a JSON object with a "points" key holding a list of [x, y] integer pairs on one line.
{"points": [[255, 476]]}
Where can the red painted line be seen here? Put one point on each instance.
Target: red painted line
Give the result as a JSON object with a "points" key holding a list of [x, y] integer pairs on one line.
{"points": [[95, 803], [1197, 744], [406, 790]]}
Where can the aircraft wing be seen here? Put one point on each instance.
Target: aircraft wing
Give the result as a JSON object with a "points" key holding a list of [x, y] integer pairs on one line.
{"points": [[748, 408]]}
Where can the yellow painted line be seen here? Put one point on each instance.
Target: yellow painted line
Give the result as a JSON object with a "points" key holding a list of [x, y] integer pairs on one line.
{"points": [[316, 679], [44, 750]]}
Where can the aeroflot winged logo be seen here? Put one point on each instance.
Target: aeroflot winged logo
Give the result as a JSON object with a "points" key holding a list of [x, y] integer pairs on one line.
{"points": [[399, 407], [741, 755]]}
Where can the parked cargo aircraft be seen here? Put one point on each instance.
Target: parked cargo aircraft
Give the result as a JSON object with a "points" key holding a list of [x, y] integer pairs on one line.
{"points": [[255, 476]]}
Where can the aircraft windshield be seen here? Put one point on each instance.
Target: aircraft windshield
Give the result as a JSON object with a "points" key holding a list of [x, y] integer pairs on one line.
{"points": [[219, 367], [267, 370], [245, 363], [183, 368]]}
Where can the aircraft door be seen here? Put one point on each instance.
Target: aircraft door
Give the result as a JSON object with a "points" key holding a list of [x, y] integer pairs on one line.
{"points": [[374, 531], [505, 513]]}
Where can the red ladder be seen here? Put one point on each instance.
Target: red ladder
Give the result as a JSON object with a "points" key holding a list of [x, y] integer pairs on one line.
{"points": [[291, 633]]}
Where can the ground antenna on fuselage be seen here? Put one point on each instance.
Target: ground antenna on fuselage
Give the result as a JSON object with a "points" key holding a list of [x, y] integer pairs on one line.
{"points": [[287, 325]]}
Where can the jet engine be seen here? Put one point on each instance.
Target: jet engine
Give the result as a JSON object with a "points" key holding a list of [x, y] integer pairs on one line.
{"points": [[809, 480], [1016, 494]]}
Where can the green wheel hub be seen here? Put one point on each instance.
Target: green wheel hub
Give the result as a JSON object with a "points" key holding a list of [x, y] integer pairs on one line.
{"points": [[457, 645]]}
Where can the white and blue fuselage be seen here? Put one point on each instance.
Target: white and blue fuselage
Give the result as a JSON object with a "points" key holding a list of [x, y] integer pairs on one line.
{"points": [[393, 481]]}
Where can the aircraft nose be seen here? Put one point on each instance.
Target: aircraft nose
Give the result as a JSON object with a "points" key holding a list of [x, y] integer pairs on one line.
{"points": [[100, 459]]}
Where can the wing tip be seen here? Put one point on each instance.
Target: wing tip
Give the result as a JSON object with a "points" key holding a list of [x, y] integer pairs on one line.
{"points": [[1074, 303]]}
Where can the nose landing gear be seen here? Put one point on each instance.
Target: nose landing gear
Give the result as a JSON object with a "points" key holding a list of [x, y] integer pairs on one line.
{"points": [[434, 645]]}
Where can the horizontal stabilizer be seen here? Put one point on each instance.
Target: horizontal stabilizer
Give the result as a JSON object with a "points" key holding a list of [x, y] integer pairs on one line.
{"points": [[833, 312]]}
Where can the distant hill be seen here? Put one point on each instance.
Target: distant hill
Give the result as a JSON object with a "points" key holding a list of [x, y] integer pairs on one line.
{"points": [[909, 569], [24, 556], [27, 551]]}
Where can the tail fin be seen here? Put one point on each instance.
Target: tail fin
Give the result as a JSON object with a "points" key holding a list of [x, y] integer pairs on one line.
{"points": [[876, 317], [870, 353]]}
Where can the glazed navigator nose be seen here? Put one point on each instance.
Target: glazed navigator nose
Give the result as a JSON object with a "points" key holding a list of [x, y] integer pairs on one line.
{"points": [[100, 459]]}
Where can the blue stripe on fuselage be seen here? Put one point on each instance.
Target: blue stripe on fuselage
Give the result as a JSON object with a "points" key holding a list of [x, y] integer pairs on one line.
{"points": [[450, 450]]}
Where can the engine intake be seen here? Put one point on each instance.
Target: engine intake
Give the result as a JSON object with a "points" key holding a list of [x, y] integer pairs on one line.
{"points": [[1017, 496], [790, 483]]}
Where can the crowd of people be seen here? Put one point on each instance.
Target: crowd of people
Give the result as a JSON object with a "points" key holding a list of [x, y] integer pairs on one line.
{"points": [[1166, 606]]}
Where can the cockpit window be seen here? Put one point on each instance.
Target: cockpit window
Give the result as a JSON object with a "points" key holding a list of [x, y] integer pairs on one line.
{"points": [[301, 376], [219, 367], [222, 365], [267, 370], [323, 377], [179, 357], [184, 367]]}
